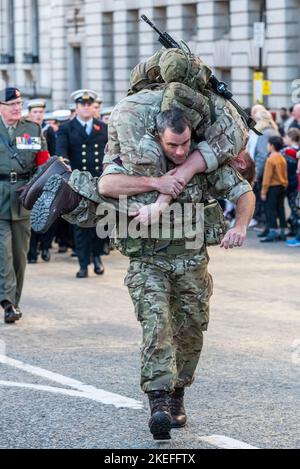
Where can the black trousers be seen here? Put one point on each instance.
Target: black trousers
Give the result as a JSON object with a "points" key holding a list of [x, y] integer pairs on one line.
{"points": [[275, 206], [259, 212], [40, 241], [87, 245]]}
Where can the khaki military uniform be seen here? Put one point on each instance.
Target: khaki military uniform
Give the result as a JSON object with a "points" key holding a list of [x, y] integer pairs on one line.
{"points": [[17, 164]]}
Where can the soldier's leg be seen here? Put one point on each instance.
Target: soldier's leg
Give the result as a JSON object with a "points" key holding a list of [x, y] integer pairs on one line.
{"points": [[149, 288], [191, 293], [83, 246], [8, 282], [20, 245]]}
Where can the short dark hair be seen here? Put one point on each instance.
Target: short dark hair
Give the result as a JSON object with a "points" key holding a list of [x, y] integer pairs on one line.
{"points": [[294, 134], [277, 143], [174, 119]]}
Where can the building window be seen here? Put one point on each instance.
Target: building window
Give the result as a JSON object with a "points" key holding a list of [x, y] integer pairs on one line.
{"points": [[160, 18], [224, 74], [31, 17], [35, 28], [132, 38], [189, 24], [222, 19], [108, 59], [77, 78], [7, 32]]}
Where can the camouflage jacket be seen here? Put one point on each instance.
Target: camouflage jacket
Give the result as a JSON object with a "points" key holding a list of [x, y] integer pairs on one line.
{"points": [[221, 133]]}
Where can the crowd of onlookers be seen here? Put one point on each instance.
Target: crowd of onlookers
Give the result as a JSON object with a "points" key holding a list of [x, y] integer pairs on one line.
{"points": [[276, 154]]}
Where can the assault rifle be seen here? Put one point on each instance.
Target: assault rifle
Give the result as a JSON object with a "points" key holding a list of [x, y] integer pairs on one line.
{"points": [[219, 87]]}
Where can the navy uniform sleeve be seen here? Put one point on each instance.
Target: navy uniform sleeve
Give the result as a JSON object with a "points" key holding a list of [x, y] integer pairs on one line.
{"points": [[62, 143]]}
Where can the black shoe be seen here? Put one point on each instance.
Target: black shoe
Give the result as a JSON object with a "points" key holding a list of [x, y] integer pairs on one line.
{"points": [[11, 314], [98, 266], [33, 190], [62, 249], [83, 273], [32, 260], [177, 409], [160, 420], [263, 233], [46, 256], [57, 199]]}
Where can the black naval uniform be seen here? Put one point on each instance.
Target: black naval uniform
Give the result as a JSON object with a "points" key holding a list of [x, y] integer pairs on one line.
{"points": [[85, 153]]}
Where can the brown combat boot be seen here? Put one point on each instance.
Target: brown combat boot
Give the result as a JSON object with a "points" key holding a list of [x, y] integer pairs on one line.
{"points": [[160, 420], [177, 408], [33, 190], [57, 199]]}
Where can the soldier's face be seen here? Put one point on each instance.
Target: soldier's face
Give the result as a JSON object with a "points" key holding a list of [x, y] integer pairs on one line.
{"points": [[37, 115], [96, 110], [176, 147], [11, 111]]}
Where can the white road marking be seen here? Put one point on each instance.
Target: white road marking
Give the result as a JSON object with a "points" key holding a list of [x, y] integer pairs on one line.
{"points": [[221, 441], [87, 391]]}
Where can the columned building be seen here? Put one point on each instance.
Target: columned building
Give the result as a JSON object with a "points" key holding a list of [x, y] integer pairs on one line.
{"points": [[48, 48]]}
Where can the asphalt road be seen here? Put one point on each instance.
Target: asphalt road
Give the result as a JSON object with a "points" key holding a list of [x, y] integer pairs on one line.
{"points": [[247, 385]]}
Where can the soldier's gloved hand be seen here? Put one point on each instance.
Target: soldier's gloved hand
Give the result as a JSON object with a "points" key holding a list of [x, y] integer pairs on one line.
{"points": [[170, 184]]}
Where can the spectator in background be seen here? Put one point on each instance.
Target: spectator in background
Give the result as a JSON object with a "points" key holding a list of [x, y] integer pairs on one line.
{"points": [[268, 128], [295, 124], [292, 140], [283, 117], [274, 184], [96, 107], [82, 142], [72, 109]]}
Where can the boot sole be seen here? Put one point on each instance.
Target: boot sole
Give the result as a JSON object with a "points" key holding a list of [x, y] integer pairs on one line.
{"points": [[41, 218], [160, 426], [28, 204]]}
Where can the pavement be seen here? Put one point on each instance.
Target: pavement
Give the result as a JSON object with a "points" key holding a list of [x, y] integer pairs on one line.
{"points": [[69, 369]]}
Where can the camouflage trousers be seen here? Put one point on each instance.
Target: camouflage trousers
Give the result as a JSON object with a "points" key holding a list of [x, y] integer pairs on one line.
{"points": [[171, 299]]}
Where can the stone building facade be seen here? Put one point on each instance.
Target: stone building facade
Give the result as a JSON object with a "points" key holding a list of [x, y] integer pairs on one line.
{"points": [[50, 47]]}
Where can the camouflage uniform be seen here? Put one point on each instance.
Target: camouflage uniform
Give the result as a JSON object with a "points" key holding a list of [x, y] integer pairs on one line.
{"points": [[169, 284], [170, 288], [134, 141]]}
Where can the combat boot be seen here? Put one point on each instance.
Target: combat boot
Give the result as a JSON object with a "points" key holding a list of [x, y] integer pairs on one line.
{"points": [[98, 266], [11, 313], [160, 420], [57, 199], [177, 409], [33, 190]]}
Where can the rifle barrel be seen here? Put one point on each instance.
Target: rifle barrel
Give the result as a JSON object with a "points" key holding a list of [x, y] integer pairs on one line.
{"points": [[144, 17]]}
